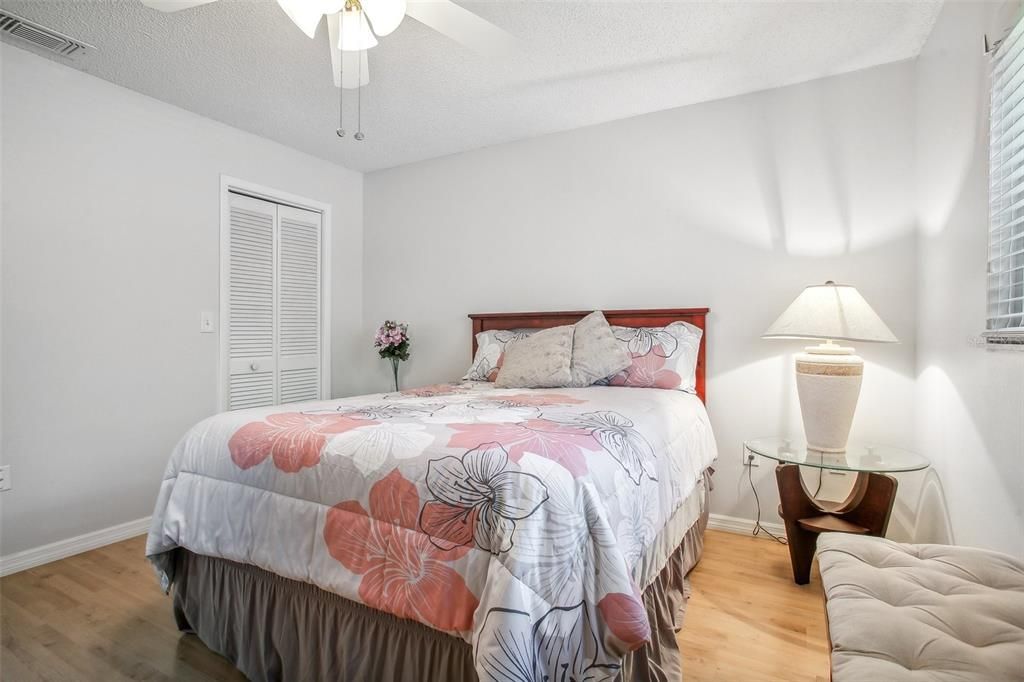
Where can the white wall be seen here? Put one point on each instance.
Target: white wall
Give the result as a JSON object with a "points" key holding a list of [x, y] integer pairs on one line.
{"points": [[970, 417], [736, 204], [110, 251]]}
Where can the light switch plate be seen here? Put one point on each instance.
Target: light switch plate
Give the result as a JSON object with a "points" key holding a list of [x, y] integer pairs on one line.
{"points": [[5, 478], [206, 322]]}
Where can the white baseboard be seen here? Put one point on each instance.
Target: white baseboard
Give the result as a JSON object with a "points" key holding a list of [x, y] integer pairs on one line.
{"points": [[30, 558], [733, 524]]}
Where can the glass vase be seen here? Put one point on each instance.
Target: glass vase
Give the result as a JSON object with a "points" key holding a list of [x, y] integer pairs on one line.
{"points": [[394, 370]]}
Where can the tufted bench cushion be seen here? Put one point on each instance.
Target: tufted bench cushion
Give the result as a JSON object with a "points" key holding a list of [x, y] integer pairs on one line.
{"points": [[908, 613]]}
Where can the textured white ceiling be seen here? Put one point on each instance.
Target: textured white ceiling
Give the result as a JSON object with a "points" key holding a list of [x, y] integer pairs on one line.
{"points": [[244, 63]]}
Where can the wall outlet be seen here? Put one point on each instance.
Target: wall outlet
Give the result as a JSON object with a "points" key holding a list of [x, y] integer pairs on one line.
{"points": [[5, 478], [750, 459]]}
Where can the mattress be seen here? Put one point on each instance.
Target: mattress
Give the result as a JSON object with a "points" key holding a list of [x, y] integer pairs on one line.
{"points": [[526, 522]]}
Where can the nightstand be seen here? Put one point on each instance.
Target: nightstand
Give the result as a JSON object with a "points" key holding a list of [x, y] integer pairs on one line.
{"points": [[866, 509]]}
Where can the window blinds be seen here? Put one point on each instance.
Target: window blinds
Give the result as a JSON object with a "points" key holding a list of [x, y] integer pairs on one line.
{"points": [[1006, 187], [274, 326]]}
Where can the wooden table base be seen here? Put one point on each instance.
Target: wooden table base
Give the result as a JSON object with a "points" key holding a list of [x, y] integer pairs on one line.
{"points": [[865, 511]]}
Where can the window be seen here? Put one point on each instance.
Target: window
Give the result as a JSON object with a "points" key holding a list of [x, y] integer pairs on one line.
{"points": [[272, 304], [1005, 317]]}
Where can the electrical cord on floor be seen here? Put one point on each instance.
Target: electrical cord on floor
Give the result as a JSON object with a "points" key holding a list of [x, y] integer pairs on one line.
{"points": [[758, 528]]}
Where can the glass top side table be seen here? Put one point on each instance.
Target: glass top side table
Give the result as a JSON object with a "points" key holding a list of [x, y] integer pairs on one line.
{"points": [[866, 509], [859, 457]]}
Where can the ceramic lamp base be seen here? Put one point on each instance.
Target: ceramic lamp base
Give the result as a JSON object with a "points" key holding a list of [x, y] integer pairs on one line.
{"points": [[828, 380]]}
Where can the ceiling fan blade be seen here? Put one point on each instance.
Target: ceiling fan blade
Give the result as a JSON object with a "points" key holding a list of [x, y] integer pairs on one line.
{"points": [[384, 15], [304, 14], [173, 5], [354, 62], [462, 26]]}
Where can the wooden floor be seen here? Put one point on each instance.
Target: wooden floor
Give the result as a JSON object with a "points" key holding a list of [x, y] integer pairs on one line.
{"points": [[101, 616], [747, 620]]}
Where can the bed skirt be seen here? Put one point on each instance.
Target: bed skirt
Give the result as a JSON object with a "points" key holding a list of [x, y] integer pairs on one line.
{"points": [[274, 628]]}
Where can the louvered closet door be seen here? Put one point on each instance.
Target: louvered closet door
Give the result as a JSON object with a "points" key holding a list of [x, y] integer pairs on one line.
{"points": [[299, 326], [252, 370]]}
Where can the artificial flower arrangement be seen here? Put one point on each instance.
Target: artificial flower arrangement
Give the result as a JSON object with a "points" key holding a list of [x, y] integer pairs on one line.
{"points": [[392, 343]]}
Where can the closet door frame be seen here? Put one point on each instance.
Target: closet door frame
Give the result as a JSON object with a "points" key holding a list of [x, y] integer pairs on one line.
{"points": [[228, 185]]}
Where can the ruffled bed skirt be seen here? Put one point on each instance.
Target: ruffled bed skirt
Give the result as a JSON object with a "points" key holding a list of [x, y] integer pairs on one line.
{"points": [[273, 628]]}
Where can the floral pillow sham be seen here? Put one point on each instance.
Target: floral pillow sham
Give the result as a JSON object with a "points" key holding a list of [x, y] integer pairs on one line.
{"points": [[490, 352], [663, 357]]}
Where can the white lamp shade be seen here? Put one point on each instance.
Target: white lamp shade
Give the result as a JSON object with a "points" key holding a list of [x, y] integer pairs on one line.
{"points": [[384, 15], [355, 32], [830, 311]]}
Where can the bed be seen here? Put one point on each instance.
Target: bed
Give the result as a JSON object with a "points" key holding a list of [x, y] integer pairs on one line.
{"points": [[452, 532]]}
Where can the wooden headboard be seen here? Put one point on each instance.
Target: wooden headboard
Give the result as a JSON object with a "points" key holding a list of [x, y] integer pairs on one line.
{"points": [[623, 318]]}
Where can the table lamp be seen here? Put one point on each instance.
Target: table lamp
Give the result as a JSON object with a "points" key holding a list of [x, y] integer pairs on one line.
{"points": [[828, 376]]}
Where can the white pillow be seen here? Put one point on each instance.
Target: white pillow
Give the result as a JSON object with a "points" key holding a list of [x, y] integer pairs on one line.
{"points": [[541, 360], [596, 354]]}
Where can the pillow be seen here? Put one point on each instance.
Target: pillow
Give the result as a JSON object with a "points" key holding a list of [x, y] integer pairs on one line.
{"points": [[490, 352], [663, 357], [541, 360], [596, 353]]}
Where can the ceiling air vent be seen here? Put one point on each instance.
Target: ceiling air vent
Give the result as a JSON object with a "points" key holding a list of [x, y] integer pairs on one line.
{"points": [[40, 36]]}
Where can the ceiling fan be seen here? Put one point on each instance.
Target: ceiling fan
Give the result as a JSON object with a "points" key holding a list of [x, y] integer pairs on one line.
{"points": [[354, 25]]}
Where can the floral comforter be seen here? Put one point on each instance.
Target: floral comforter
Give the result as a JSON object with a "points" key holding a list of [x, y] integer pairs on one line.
{"points": [[525, 521]]}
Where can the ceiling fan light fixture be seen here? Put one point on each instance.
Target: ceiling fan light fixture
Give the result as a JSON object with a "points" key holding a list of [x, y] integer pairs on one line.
{"points": [[356, 69], [384, 15], [356, 35], [354, 66]]}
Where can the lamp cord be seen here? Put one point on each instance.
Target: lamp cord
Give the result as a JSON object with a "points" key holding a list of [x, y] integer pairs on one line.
{"points": [[758, 528]]}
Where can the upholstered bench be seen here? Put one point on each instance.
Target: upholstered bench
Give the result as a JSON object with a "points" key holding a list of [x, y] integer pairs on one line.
{"points": [[909, 613]]}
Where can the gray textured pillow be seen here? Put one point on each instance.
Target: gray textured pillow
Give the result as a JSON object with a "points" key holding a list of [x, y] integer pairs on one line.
{"points": [[596, 353], [542, 360], [490, 352]]}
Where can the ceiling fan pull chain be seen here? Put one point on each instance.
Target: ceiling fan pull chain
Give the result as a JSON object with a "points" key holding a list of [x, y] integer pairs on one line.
{"points": [[341, 107], [341, 90], [359, 99]]}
